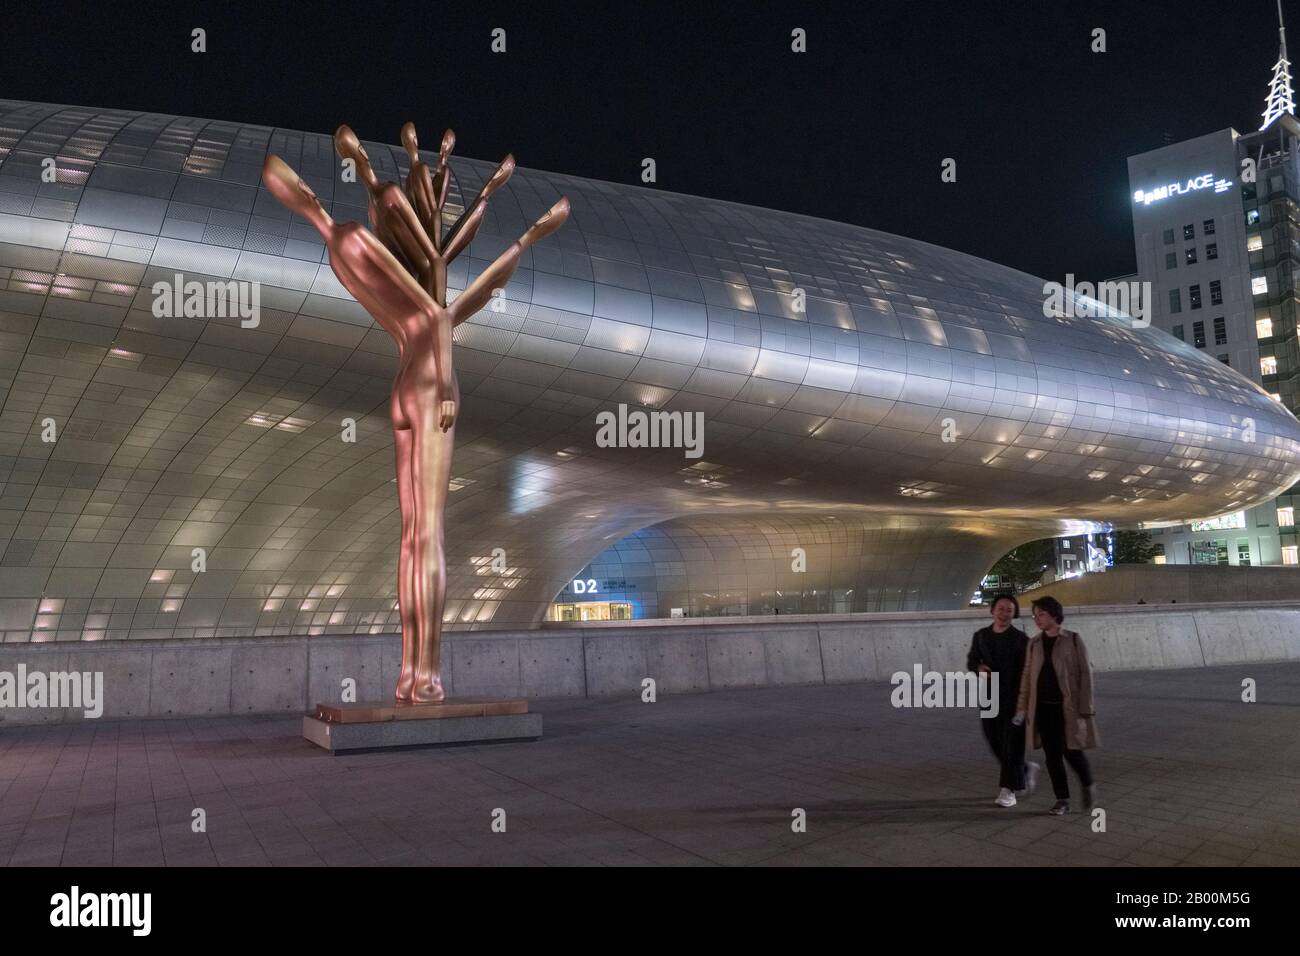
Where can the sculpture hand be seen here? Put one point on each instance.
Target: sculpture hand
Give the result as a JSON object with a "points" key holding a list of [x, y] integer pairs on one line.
{"points": [[419, 187], [442, 173], [446, 414]]}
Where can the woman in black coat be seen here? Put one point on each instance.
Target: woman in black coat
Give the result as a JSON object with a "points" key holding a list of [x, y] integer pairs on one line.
{"points": [[1000, 649]]}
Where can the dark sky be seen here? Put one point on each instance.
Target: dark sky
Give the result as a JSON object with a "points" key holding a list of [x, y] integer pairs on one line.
{"points": [[853, 130]]}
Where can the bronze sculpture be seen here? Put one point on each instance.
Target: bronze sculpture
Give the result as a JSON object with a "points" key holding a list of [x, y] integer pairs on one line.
{"points": [[398, 274]]}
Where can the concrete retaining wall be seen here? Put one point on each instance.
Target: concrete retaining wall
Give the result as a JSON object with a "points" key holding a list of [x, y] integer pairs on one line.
{"points": [[1184, 583], [277, 675]]}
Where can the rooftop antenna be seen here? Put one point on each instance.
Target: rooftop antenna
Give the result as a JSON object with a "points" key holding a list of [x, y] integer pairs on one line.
{"points": [[1281, 98]]}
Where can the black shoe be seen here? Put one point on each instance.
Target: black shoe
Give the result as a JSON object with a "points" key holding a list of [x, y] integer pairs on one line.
{"points": [[1089, 797], [1060, 808]]}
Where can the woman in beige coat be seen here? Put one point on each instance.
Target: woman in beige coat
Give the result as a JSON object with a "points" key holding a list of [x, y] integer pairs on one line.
{"points": [[1056, 701]]}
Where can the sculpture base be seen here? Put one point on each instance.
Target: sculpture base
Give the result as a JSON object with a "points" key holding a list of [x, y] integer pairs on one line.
{"points": [[342, 728]]}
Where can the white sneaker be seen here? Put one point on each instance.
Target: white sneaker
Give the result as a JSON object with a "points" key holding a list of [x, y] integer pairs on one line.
{"points": [[1031, 779], [1005, 798]]}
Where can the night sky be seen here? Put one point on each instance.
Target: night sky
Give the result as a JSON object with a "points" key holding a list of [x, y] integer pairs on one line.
{"points": [[853, 130]]}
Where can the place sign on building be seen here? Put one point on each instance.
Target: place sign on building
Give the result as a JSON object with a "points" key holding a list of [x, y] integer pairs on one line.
{"points": [[591, 586], [1205, 181]]}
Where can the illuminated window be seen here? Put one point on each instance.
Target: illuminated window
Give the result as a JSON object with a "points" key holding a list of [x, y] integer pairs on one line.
{"points": [[1194, 295], [1190, 254], [1276, 397], [1258, 285], [1158, 559], [1286, 517], [1290, 554], [1268, 365], [1263, 328], [1198, 334], [591, 611], [1254, 243], [1189, 232], [1252, 217]]}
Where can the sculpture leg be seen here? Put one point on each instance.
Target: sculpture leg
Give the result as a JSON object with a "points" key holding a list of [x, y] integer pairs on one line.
{"points": [[431, 474], [406, 566]]}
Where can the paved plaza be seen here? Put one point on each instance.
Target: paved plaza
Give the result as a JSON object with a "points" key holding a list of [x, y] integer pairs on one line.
{"points": [[1189, 774]]}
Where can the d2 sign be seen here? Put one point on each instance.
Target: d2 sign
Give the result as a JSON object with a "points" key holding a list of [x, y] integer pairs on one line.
{"points": [[584, 587]]}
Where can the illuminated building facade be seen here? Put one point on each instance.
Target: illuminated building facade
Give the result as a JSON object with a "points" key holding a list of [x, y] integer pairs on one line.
{"points": [[1216, 228], [882, 418]]}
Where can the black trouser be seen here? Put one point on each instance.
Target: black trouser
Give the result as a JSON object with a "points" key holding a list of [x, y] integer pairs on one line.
{"points": [[1008, 743], [1049, 719]]}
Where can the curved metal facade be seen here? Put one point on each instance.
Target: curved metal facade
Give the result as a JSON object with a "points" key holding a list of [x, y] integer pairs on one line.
{"points": [[724, 564], [176, 433]]}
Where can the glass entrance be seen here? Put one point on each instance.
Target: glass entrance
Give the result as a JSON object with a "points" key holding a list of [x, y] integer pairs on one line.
{"points": [[591, 611]]}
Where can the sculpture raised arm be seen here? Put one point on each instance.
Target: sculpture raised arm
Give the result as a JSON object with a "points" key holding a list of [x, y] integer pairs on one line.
{"points": [[419, 185], [427, 192], [395, 222], [495, 276], [363, 264]]}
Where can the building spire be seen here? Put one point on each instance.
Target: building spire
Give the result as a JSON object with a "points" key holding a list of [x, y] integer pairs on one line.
{"points": [[1281, 98]]}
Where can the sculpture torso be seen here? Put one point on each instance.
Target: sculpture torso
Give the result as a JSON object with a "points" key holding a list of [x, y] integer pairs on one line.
{"points": [[415, 388], [404, 310]]}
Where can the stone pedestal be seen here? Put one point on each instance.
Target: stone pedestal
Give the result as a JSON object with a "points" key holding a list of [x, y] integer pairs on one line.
{"points": [[372, 726]]}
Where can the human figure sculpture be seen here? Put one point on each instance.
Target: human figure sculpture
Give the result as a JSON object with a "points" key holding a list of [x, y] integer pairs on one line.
{"points": [[398, 274]]}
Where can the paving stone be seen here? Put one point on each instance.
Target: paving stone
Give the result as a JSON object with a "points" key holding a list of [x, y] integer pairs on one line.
{"points": [[1188, 777]]}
